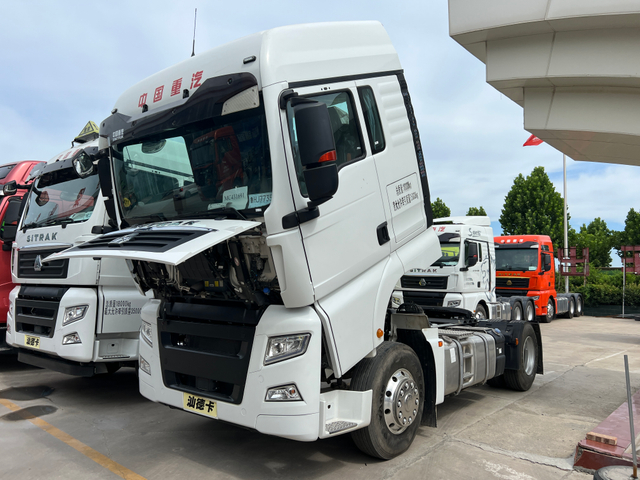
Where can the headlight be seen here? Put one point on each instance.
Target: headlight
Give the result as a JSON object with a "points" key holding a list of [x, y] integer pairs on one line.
{"points": [[453, 303], [285, 393], [145, 332], [11, 309], [396, 301], [9, 328], [536, 298], [283, 348], [144, 366], [73, 314]]}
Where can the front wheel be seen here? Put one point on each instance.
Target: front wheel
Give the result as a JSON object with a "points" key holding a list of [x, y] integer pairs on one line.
{"points": [[396, 378], [551, 312], [522, 379], [481, 312]]}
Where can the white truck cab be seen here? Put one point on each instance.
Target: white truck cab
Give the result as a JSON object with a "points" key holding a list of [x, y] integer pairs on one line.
{"points": [[271, 193], [78, 316], [464, 277]]}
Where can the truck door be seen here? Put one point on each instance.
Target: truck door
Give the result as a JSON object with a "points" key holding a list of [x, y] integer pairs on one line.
{"points": [[343, 241], [472, 273]]}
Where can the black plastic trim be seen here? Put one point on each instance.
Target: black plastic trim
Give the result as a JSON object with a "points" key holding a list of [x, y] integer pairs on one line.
{"points": [[345, 78], [56, 364]]}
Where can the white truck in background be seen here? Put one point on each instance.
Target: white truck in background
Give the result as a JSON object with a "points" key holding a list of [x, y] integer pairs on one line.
{"points": [[464, 277], [79, 316], [272, 279]]}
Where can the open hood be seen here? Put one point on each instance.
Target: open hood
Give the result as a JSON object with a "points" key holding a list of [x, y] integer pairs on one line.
{"points": [[170, 243]]}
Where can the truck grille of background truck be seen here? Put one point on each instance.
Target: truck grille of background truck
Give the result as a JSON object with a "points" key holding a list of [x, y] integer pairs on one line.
{"points": [[54, 269]]}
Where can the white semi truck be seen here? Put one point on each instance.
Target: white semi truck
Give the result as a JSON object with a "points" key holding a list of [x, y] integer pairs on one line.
{"points": [[464, 277], [272, 237], [77, 316]]}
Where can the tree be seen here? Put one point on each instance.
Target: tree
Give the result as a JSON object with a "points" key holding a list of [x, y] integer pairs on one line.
{"points": [[598, 239], [533, 206], [440, 210], [476, 212], [631, 233]]}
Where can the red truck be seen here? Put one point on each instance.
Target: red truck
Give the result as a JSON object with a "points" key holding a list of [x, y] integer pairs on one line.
{"points": [[10, 209], [525, 266]]}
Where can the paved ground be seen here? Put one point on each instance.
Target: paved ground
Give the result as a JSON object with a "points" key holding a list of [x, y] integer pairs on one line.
{"points": [[75, 428]]}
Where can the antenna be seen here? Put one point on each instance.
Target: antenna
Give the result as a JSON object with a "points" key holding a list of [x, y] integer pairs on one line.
{"points": [[195, 16]]}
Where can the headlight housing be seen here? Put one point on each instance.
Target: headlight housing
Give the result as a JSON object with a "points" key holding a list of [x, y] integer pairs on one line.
{"points": [[146, 333], [144, 366], [285, 347], [284, 393], [453, 303], [73, 314], [536, 298]]}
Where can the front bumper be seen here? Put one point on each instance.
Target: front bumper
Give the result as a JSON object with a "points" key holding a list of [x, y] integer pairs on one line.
{"points": [[304, 420]]}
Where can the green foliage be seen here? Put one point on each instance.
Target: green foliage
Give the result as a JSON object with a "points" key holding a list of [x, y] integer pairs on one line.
{"points": [[440, 209], [631, 233], [604, 287], [476, 212], [533, 206], [598, 239]]}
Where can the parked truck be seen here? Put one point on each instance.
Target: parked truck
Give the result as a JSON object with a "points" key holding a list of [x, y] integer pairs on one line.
{"points": [[271, 283], [10, 209], [78, 316], [525, 266], [464, 277]]}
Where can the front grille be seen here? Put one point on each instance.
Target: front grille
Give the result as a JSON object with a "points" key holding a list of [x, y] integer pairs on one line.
{"points": [[205, 349], [507, 292], [410, 281], [424, 299], [512, 282], [144, 240], [37, 309], [54, 269]]}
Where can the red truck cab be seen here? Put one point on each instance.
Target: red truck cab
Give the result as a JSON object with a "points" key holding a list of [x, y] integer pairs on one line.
{"points": [[525, 266], [20, 172]]}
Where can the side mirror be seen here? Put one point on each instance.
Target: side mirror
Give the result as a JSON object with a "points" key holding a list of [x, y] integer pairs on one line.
{"points": [[317, 149], [472, 254], [10, 188], [546, 260], [83, 165], [10, 221]]}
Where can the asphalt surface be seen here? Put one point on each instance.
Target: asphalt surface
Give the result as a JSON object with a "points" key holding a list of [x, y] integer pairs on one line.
{"points": [[57, 426]]}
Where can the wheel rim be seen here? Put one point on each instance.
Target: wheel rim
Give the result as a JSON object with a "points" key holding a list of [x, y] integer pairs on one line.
{"points": [[518, 314], [530, 313], [550, 310], [572, 306], [579, 306], [529, 356], [480, 314], [401, 401]]}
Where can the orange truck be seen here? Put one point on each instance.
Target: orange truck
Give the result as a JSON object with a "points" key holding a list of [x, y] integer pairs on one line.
{"points": [[525, 266]]}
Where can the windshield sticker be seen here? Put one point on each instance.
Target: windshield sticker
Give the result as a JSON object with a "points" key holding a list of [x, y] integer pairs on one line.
{"points": [[259, 199], [403, 193], [236, 198]]}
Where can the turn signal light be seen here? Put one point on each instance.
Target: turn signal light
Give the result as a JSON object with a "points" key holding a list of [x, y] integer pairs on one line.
{"points": [[380, 333], [328, 157]]}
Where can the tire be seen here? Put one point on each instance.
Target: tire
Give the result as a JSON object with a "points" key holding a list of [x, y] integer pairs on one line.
{"points": [[522, 379], [394, 368], [530, 312], [579, 306], [551, 312], [516, 312], [481, 312], [572, 308]]}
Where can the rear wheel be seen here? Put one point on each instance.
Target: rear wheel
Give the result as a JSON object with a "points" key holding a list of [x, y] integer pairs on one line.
{"points": [[579, 305], [572, 308], [530, 312], [523, 378], [396, 378], [516, 311]]}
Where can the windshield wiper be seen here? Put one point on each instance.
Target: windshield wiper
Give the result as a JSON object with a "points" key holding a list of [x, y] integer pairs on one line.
{"points": [[227, 211], [30, 225], [58, 221]]}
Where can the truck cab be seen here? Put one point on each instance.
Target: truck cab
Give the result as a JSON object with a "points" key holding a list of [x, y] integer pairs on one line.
{"points": [[79, 316], [464, 277], [10, 209], [525, 266]]}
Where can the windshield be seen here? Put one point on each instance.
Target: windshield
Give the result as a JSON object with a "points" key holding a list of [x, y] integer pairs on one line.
{"points": [[61, 197], [522, 259], [450, 246], [220, 165]]}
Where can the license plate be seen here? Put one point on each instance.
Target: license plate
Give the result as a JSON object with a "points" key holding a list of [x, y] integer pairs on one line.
{"points": [[33, 342], [194, 403]]}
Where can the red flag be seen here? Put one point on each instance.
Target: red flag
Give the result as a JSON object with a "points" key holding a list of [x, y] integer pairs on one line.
{"points": [[532, 141]]}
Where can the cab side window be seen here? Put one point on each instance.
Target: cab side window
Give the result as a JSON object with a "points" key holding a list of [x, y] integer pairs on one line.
{"points": [[372, 119], [346, 132]]}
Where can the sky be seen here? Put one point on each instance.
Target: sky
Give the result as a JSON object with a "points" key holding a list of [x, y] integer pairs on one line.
{"points": [[65, 63]]}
